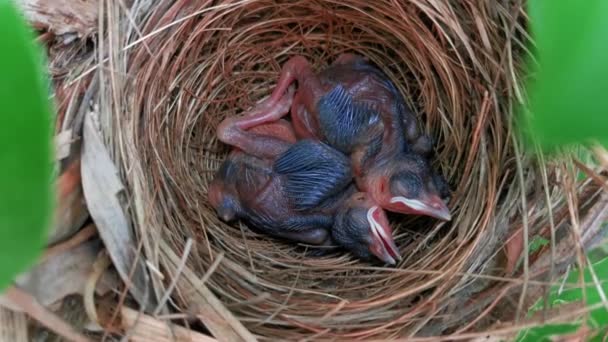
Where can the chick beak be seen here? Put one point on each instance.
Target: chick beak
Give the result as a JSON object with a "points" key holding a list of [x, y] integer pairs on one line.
{"points": [[382, 245], [431, 205]]}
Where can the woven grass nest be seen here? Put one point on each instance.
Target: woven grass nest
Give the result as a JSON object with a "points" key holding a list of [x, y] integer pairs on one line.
{"points": [[189, 64]]}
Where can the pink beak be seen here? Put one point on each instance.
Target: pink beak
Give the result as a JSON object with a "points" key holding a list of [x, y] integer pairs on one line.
{"points": [[431, 206], [383, 246]]}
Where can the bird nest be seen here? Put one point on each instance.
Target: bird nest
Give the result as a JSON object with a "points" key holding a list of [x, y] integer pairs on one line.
{"points": [[175, 69]]}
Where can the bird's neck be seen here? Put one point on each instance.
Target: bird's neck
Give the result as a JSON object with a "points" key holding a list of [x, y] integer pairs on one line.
{"points": [[383, 147], [372, 181]]}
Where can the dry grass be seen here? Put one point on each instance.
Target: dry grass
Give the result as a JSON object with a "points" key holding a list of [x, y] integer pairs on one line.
{"points": [[165, 74]]}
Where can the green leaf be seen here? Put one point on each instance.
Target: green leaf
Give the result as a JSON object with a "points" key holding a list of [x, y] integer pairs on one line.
{"points": [[568, 100], [25, 146], [537, 243], [568, 105], [570, 293], [600, 336], [543, 333]]}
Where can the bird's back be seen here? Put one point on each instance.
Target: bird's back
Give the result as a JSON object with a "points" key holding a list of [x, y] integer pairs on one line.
{"points": [[362, 80], [360, 109], [290, 191], [264, 202]]}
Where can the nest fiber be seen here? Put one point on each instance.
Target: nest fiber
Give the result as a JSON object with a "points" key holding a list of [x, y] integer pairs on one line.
{"points": [[177, 68]]}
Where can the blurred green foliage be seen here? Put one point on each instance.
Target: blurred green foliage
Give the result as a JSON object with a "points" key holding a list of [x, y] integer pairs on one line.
{"points": [[568, 105], [537, 243], [570, 292], [569, 89], [25, 146]]}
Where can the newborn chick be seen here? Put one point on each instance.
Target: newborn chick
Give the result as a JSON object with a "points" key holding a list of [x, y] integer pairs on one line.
{"points": [[301, 191], [353, 107]]}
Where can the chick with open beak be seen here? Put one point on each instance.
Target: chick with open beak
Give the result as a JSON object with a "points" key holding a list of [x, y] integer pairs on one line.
{"points": [[284, 197], [295, 189], [353, 107], [362, 227], [406, 184]]}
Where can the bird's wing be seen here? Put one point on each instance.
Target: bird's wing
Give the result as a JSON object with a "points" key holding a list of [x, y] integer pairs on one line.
{"points": [[344, 122], [313, 172]]}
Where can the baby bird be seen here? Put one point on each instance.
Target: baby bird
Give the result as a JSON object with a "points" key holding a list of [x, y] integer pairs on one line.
{"points": [[297, 190], [353, 107]]}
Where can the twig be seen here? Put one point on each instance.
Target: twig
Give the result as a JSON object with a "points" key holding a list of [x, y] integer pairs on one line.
{"points": [[144, 328], [174, 278], [83, 235], [526, 230], [551, 223], [13, 326], [99, 267], [30, 305]]}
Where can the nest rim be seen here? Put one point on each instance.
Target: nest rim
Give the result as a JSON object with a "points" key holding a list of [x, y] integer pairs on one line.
{"points": [[226, 58]]}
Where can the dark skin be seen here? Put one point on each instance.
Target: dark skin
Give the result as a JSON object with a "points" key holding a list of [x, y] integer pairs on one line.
{"points": [[353, 107], [297, 190]]}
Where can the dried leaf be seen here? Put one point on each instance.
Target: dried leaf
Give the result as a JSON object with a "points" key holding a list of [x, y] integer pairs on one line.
{"points": [[26, 302], [216, 317], [63, 144], [13, 326], [102, 186], [73, 265], [77, 239], [62, 16], [71, 211], [513, 249], [145, 328]]}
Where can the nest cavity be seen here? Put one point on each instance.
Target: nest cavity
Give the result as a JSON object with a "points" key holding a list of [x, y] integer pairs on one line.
{"points": [[179, 67]]}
